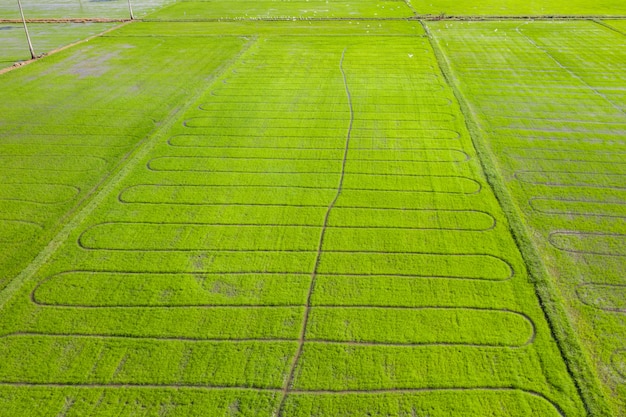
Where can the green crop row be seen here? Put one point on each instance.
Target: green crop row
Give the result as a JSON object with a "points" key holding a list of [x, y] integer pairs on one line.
{"points": [[115, 401]]}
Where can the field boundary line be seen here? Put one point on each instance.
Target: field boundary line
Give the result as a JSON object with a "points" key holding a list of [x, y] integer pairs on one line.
{"points": [[285, 19], [410, 6], [120, 171], [608, 26], [577, 363], [20, 64], [339, 392], [289, 381], [486, 18], [68, 20], [416, 17]]}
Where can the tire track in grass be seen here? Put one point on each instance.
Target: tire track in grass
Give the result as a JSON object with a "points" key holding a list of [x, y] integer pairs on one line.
{"points": [[136, 273], [440, 155], [570, 207], [580, 162], [602, 243], [254, 117], [289, 381], [126, 196], [305, 122], [545, 152], [525, 340], [430, 226], [221, 105], [270, 174], [328, 211], [270, 93], [140, 277], [477, 389], [603, 296], [69, 140], [536, 394], [304, 147], [254, 79], [496, 101], [446, 134], [569, 71], [311, 131], [531, 108], [558, 129], [233, 105], [208, 341], [80, 212], [570, 179], [588, 140], [277, 69], [576, 120]]}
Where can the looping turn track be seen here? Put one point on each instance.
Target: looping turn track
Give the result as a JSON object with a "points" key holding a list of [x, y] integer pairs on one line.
{"points": [[348, 213]]}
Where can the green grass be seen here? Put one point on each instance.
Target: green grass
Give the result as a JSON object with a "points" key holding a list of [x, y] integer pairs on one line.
{"points": [[437, 403], [549, 102], [112, 401], [618, 25], [183, 289], [282, 9], [406, 326], [115, 361], [520, 8], [238, 228]]}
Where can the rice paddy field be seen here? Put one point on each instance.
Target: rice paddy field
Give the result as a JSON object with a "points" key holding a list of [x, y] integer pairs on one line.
{"points": [[45, 37], [89, 9], [315, 208]]}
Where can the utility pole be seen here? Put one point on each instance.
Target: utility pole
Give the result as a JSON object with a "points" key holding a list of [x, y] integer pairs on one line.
{"points": [[130, 9], [30, 45]]}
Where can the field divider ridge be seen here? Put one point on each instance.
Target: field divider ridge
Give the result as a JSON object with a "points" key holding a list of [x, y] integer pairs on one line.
{"points": [[416, 17], [577, 363]]}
